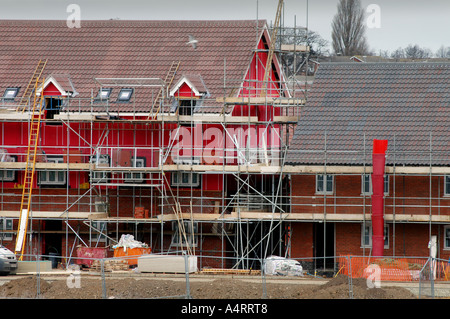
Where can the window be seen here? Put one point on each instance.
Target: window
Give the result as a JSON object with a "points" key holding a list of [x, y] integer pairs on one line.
{"points": [[190, 230], [103, 94], [366, 236], [10, 93], [125, 95], [100, 160], [53, 106], [186, 106], [135, 177], [185, 179], [447, 237], [98, 232], [366, 184], [8, 175], [6, 224], [53, 177], [324, 184], [447, 185]]}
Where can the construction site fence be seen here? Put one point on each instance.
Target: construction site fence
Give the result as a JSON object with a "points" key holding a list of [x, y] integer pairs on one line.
{"points": [[352, 276]]}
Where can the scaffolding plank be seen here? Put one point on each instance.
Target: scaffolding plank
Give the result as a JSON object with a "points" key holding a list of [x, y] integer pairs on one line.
{"points": [[53, 214], [294, 48], [261, 100]]}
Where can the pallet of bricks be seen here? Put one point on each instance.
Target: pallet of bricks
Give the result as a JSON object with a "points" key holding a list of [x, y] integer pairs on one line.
{"points": [[109, 265]]}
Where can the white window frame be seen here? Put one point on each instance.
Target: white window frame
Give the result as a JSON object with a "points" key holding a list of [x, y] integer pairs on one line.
{"points": [[6, 224], [133, 177], [46, 173], [447, 185], [370, 192], [100, 160], [324, 184], [369, 228], [5, 172], [96, 237], [447, 237], [179, 179], [191, 237]]}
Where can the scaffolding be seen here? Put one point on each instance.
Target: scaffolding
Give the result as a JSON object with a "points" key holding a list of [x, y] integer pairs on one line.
{"points": [[251, 210]]}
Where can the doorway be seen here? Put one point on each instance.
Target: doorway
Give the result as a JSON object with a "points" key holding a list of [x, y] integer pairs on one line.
{"points": [[324, 242], [52, 241]]}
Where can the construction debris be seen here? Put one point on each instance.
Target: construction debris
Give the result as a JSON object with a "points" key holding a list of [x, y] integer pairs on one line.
{"points": [[275, 265]]}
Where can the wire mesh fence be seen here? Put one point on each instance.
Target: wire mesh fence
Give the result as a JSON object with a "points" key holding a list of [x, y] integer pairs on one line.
{"points": [[177, 276]]}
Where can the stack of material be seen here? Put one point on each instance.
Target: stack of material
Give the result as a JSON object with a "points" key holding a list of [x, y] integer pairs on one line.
{"points": [[275, 265], [109, 265], [167, 264], [216, 271]]}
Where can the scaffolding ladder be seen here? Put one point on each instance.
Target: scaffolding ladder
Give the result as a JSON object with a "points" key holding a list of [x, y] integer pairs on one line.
{"points": [[28, 93], [168, 82], [33, 141]]}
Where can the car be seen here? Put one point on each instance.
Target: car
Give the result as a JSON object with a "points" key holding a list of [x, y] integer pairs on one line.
{"points": [[8, 261]]}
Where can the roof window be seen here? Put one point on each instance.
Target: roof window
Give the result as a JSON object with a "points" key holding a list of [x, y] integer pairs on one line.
{"points": [[125, 95], [103, 94], [10, 93]]}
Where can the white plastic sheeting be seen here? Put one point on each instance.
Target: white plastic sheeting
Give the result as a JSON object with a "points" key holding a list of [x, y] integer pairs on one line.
{"points": [[275, 265], [128, 241]]}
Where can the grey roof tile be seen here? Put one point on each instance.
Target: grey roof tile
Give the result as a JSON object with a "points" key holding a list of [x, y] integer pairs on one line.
{"points": [[350, 104]]}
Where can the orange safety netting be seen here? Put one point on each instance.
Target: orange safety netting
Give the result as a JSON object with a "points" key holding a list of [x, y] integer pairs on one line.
{"points": [[388, 269]]}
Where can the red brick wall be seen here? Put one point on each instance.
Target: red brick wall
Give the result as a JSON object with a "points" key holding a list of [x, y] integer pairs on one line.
{"points": [[410, 240], [410, 192], [302, 240]]}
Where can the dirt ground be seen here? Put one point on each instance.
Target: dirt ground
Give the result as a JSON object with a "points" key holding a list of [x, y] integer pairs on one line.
{"points": [[220, 288]]}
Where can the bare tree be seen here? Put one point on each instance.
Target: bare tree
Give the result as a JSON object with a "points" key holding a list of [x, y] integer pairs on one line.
{"points": [[318, 46], [416, 52], [443, 52], [348, 32]]}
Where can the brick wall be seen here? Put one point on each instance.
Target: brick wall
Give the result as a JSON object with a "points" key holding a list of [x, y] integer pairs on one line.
{"points": [[302, 240], [410, 240], [410, 193]]}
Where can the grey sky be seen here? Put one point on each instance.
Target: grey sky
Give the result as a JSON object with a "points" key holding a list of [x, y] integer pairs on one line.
{"points": [[403, 22]]}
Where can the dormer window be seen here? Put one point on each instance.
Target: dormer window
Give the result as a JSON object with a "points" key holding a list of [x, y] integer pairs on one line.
{"points": [[103, 94], [125, 95], [10, 93], [186, 106]]}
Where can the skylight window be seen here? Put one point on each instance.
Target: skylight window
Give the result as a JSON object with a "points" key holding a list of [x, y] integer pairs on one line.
{"points": [[10, 93], [125, 95], [103, 94]]}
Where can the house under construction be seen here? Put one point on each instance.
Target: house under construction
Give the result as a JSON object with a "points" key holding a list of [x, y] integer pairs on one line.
{"points": [[191, 136]]}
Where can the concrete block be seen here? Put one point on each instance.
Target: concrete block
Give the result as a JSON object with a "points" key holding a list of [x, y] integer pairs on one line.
{"points": [[32, 266], [166, 264]]}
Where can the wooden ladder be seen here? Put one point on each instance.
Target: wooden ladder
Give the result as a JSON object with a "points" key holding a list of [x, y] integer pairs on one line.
{"points": [[33, 141], [28, 93], [273, 40], [168, 82]]}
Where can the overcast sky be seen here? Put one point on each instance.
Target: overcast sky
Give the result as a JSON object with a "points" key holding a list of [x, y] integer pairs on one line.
{"points": [[402, 22]]}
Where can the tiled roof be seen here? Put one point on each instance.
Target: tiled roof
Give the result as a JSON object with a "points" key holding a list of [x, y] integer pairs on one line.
{"points": [[126, 49], [350, 104]]}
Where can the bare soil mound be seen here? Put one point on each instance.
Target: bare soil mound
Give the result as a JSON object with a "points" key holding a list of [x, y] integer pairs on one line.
{"points": [[222, 288]]}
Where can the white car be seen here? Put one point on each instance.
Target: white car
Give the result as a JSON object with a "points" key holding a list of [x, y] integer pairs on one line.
{"points": [[8, 262]]}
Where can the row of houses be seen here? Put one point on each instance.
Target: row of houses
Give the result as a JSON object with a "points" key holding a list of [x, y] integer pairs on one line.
{"points": [[186, 147]]}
